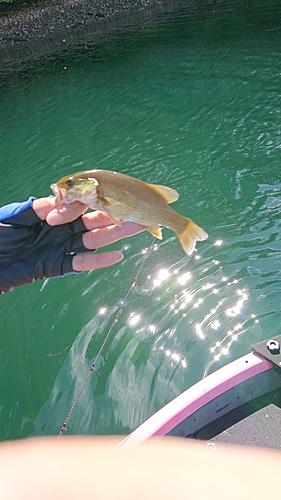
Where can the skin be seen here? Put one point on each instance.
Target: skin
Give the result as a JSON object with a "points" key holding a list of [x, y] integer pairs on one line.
{"points": [[100, 231], [85, 468]]}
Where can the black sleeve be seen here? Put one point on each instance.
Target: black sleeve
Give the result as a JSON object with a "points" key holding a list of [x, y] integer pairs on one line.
{"points": [[30, 249]]}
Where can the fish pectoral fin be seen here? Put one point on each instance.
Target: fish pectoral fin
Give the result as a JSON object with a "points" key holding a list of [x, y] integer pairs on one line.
{"points": [[115, 220], [110, 201], [155, 231], [169, 194]]}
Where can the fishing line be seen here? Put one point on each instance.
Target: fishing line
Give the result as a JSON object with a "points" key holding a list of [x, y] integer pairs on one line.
{"points": [[92, 367]]}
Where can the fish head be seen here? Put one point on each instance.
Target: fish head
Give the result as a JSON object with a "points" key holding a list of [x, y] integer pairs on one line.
{"points": [[76, 188]]}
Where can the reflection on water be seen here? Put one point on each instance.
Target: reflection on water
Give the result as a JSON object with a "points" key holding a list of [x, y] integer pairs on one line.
{"points": [[203, 309], [193, 103]]}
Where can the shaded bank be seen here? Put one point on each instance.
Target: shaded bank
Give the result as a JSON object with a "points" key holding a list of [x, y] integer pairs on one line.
{"points": [[40, 27]]}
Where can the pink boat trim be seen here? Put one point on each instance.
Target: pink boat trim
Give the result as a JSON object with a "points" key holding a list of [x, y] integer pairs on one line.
{"points": [[197, 396]]}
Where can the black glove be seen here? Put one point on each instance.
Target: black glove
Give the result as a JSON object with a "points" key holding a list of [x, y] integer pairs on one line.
{"points": [[30, 249]]}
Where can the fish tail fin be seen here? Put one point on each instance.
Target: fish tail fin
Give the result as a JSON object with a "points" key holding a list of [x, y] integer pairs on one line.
{"points": [[190, 234]]}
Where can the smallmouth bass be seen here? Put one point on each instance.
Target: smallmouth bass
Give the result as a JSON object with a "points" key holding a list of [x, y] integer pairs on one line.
{"points": [[126, 198]]}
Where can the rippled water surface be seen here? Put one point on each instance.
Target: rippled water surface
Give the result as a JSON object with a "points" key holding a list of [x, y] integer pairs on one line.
{"points": [[193, 101]]}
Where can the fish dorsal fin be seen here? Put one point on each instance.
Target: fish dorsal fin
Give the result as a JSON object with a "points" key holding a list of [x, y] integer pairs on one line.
{"points": [[168, 193], [155, 231]]}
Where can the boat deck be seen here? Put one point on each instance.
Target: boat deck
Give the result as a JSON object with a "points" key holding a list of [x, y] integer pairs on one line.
{"points": [[257, 423]]}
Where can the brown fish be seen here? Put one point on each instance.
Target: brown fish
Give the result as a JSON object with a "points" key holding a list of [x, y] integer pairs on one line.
{"points": [[125, 198]]}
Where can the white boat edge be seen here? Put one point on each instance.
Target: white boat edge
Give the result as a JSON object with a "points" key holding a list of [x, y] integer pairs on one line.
{"points": [[197, 396]]}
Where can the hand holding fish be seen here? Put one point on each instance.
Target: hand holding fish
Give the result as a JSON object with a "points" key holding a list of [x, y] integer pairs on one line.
{"points": [[47, 237], [41, 238], [99, 231]]}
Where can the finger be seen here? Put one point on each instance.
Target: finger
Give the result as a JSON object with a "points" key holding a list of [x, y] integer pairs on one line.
{"points": [[109, 234], [42, 206], [89, 262], [66, 213]]}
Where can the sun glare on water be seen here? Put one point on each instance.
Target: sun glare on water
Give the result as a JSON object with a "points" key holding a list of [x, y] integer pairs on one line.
{"points": [[195, 299]]}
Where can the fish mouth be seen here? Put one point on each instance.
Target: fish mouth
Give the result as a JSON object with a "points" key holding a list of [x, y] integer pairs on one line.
{"points": [[57, 192]]}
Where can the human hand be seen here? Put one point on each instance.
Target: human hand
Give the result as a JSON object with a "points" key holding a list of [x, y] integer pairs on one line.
{"points": [[41, 239], [99, 231]]}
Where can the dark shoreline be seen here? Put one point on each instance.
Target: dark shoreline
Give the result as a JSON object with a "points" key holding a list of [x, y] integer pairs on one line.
{"points": [[44, 26]]}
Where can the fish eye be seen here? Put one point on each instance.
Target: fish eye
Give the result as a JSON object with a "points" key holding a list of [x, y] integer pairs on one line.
{"points": [[69, 183]]}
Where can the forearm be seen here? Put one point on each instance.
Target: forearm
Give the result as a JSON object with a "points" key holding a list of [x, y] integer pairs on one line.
{"points": [[82, 468]]}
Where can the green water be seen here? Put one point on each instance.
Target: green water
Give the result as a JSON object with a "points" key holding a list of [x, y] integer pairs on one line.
{"points": [[191, 100]]}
